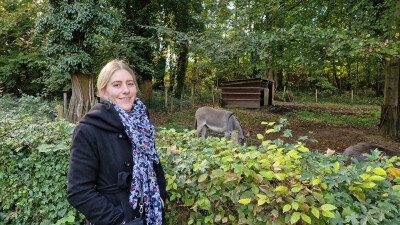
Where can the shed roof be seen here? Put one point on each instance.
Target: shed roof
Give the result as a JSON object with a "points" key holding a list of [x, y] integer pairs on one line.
{"points": [[246, 81]]}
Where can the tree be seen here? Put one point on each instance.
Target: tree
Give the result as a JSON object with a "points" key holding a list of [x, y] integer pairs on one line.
{"points": [[390, 111], [183, 19], [21, 64], [74, 30]]}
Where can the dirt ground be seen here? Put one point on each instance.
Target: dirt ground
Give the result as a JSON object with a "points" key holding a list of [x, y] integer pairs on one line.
{"points": [[335, 137]]}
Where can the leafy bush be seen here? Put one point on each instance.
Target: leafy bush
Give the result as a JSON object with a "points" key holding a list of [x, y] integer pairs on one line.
{"points": [[34, 159], [209, 181], [26, 104]]}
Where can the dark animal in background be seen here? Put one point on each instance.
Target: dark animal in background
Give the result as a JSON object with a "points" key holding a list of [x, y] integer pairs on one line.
{"points": [[219, 121], [359, 149]]}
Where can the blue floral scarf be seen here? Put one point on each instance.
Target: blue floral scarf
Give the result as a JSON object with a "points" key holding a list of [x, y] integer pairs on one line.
{"points": [[141, 132]]}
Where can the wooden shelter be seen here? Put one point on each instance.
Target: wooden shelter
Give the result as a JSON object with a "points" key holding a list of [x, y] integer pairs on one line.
{"points": [[249, 93]]}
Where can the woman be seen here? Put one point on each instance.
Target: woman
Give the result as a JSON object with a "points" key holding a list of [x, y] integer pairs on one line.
{"points": [[114, 169]]}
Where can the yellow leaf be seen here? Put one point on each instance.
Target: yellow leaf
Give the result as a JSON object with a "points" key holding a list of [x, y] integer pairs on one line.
{"points": [[368, 185], [269, 131], [315, 212], [264, 143], [261, 201], [365, 176], [261, 196], [295, 205], [303, 149], [380, 171], [244, 201], [336, 166], [272, 146], [286, 208], [328, 214], [394, 172], [376, 178], [359, 195], [328, 207]]}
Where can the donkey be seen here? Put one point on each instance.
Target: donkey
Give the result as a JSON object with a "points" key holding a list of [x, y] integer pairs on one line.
{"points": [[219, 121], [357, 151]]}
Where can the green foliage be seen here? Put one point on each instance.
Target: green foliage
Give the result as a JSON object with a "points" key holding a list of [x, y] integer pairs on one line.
{"points": [[33, 181], [359, 100], [74, 30], [209, 181], [21, 63], [322, 84], [367, 118], [28, 105]]}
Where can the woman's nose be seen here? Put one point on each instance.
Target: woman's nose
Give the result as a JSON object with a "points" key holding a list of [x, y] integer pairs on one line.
{"points": [[125, 88]]}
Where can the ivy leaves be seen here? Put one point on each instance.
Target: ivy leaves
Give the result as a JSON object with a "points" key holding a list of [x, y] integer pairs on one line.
{"points": [[224, 183]]}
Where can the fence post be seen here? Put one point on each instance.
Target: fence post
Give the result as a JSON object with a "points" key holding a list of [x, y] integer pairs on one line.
{"points": [[235, 137], [283, 94], [172, 102], [316, 95], [351, 97], [65, 104], [60, 112], [166, 98], [192, 97], [212, 93]]}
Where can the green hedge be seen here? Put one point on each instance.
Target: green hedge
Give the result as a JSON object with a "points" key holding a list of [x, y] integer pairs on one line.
{"points": [[33, 170], [275, 183], [209, 181]]}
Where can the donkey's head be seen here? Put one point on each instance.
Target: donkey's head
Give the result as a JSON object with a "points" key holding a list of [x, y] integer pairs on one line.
{"points": [[243, 139]]}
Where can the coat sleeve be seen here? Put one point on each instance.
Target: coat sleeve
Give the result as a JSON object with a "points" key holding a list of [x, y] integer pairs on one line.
{"points": [[162, 184], [82, 174]]}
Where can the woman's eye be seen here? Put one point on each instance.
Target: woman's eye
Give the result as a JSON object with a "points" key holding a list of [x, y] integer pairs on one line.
{"points": [[131, 84], [116, 85]]}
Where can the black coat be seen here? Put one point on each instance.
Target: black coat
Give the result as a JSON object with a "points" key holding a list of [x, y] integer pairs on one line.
{"points": [[100, 168]]}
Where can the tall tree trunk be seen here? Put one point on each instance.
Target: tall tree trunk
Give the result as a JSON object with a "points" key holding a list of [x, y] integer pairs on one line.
{"points": [[389, 123], [160, 66], [147, 92], [181, 71], [279, 80], [82, 98]]}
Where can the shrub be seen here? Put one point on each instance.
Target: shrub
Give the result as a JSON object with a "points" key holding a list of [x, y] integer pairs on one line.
{"points": [[208, 180], [26, 104], [33, 170]]}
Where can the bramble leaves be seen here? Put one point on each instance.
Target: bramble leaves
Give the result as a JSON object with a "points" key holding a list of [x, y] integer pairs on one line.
{"points": [[209, 181]]}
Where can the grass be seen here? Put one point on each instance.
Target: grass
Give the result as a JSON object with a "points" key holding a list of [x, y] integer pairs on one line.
{"points": [[344, 98], [369, 118]]}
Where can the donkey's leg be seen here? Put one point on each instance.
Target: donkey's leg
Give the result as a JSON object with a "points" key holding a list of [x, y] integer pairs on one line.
{"points": [[199, 129], [227, 135], [203, 131]]}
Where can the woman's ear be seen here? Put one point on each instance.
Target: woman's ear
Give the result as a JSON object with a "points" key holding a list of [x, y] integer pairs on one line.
{"points": [[102, 92]]}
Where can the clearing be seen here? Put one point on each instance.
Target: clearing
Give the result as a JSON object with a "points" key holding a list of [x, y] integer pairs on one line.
{"points": [[328, 135]]}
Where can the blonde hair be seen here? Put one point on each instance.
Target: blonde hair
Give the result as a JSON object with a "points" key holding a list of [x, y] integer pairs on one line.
{"points": [[108, 70]]}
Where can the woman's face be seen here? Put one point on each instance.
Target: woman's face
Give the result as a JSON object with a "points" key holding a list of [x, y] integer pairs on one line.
{"points": [[121, 90]]}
